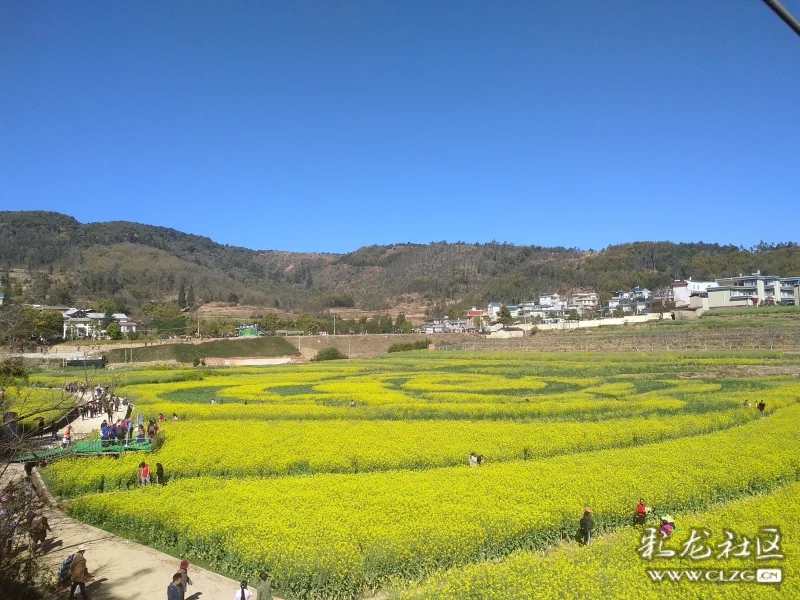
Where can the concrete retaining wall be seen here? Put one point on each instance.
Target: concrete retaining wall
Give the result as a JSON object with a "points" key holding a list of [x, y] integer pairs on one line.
{"points": [[244, 361], [602, 322]]}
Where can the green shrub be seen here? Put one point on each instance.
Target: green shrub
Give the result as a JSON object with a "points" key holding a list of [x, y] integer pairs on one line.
{"points": [[329, 354], [407, 347]]}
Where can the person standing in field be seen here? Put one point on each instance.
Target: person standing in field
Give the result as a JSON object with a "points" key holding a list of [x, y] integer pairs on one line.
{"points": [[264, 587], [159, 474], [760, 405], [641, 513], [185, 580], [174, 589], [144, 473], [79, 574], [472, 460], [242, 593], [586, 525]]}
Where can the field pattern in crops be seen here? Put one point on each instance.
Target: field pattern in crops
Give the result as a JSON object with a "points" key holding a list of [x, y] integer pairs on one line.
{"points": [[352, 475]]}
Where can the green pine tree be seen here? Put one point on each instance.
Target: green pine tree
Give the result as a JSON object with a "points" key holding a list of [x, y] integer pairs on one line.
{"points": [[182, 296], [505, 315]]}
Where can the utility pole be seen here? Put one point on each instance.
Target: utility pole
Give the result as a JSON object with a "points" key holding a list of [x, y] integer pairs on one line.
{"points": [[334, 323], [784, 15]]}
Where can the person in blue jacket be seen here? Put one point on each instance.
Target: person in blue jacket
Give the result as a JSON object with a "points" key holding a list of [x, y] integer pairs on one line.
{"points": [[174, 591]]}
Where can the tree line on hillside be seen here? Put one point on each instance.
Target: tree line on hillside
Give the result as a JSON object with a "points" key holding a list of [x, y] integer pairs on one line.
{"points": [[52, 258]]}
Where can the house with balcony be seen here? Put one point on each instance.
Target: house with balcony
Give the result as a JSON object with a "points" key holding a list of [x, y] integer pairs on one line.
{"points": [[86, 324], [751, 290], [583, 300]]}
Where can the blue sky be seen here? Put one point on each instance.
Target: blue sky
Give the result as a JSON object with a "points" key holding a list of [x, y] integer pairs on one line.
{"points": [[325, 126]]}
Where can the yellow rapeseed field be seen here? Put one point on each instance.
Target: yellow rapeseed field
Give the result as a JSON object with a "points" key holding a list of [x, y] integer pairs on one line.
{"points": [[352, 475]]}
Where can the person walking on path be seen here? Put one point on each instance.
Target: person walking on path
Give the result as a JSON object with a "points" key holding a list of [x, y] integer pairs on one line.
{"points": [[79, 574], [185, 580], [586, 525], [242, 593], [264, 587], [38, 529], [175, 590], [760, 405]]}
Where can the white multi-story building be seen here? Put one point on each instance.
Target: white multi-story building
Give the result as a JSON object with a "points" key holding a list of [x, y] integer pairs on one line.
{"points": [[583, 300], [79, 323], [493, 310], [752, 290], [553, 300], [682, 291]]}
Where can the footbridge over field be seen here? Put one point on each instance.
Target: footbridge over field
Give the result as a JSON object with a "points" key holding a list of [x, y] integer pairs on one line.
{"points": [[82, 445]]}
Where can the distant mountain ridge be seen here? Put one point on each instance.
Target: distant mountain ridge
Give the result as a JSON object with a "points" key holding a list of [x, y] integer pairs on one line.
{"points": [[67, 260]]}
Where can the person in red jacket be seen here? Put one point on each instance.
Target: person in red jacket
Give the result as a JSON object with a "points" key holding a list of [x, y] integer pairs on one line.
{"points": [[641, 513], [144, 473]]}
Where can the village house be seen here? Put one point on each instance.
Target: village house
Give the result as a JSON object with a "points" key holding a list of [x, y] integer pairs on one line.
{"points": [[448, 325], [683, 291], [583, 301], [636, 302], [86, 324]]}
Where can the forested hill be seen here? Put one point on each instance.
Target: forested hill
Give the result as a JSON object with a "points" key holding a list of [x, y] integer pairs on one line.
{"points": [[48, 256]]}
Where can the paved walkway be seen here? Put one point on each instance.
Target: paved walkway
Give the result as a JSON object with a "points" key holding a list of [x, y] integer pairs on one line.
{"points": [[122, 570], [86, 426]]}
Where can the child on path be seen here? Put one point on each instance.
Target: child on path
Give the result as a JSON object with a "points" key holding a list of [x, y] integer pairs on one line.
{"points": [[185, 580], [242, 593]]}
